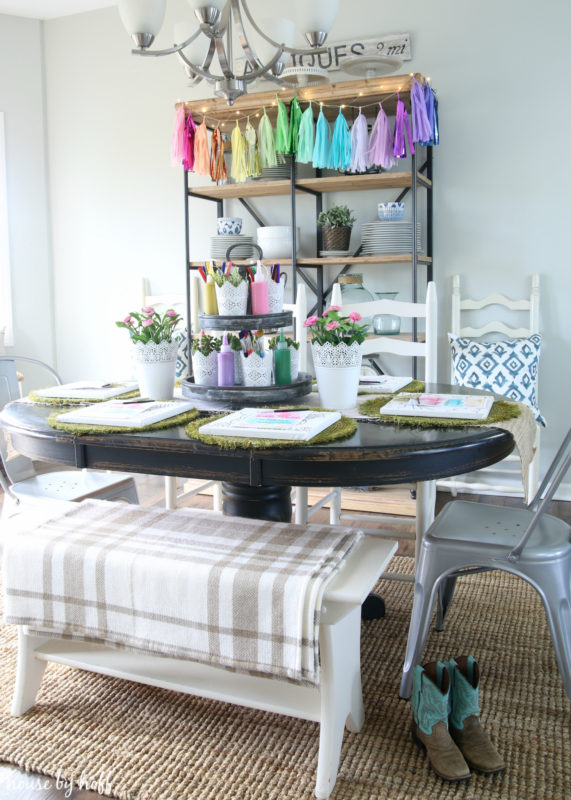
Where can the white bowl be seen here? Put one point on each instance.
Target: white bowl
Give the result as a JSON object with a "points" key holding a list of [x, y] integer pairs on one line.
{"points": [[275, 241], [275, 232]]}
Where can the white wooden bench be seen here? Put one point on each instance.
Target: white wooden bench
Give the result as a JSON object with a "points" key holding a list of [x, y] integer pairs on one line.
{"points": [[335, 703]]}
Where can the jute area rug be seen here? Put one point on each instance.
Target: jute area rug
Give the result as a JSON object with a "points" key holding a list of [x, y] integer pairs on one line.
{"points": [[140, 743]]}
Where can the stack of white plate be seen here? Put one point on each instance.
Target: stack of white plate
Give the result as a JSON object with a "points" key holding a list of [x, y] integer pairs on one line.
{"points": [[334, 253], [220, 244], [278, 173], [388, 237]]}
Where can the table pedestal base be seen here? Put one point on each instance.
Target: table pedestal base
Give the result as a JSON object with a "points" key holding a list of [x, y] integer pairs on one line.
{"points": [[258, 502]]}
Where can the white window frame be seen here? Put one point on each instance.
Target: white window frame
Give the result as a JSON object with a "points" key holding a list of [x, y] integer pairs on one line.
{"points": [[5, 286]]}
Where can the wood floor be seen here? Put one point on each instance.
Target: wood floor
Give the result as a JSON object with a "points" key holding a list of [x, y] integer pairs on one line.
{"points": [[16, 784]]}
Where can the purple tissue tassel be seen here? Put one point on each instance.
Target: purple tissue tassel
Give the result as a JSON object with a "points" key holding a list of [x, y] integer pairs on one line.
{"points": [[431, 104], [421, 128], [380, 152], [359, 144], [401, 123]]}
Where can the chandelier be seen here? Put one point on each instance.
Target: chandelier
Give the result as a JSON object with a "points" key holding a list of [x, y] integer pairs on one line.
{"points": [[217, 21]]}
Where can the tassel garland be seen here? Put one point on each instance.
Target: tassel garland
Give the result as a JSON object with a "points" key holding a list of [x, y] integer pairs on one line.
{"points": [[380, 152], [322, 142], [421, 128], [308, 142], [266, 143], [402, 125], [238, 169], [359, 144], [306, 133]]}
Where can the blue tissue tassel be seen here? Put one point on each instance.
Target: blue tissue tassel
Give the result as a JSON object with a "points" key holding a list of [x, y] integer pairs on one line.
{"points": [[340, 152], [306, 134], [359, 144], [322, 142]]}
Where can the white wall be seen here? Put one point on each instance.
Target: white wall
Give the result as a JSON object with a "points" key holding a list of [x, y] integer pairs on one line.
{"points": [[22, 101], [501, 196]]}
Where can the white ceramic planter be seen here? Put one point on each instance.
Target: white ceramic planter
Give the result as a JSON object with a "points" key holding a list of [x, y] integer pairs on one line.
{"points": [[232, 299], [156, 367], [276, 295], [337, 369], [205, 368]]}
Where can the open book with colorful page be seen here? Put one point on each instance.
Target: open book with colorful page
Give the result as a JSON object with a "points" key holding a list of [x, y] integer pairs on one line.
{"points": [[267, 423], [452, 406], [88, 390], [126, 413]]}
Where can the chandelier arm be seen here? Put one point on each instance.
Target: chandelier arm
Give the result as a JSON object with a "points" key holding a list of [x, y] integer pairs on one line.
{"points": [[170, 50], [222, 58], [205, 65], [264, 69], [251, 57], [292, 50], [201, 71]]}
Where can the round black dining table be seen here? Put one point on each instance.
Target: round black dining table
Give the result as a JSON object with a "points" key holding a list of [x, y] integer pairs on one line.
{"points": [[257, 483]]}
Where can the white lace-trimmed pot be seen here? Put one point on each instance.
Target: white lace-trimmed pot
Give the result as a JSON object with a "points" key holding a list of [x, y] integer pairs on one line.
{"points": [[256, 371], [276, 296], [156, 367], [205, 368], [232, 299], [337, 369]]}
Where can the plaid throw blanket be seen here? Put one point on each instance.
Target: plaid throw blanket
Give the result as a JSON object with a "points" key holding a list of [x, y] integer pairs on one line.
{"points": [[233, 592]]}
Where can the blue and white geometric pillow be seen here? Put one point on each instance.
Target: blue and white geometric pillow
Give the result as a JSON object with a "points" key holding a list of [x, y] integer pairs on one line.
{"points": [[182, 354], [508, 367]]}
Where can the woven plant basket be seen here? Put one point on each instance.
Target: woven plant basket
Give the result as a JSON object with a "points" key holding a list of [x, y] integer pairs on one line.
{"points": [[336, 238]]}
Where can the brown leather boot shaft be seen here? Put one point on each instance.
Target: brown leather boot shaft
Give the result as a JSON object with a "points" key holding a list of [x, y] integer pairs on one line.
{"points": [[445, 757], [476, 746]]}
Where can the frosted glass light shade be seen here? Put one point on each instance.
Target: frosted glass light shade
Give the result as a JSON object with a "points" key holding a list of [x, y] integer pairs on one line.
{"points": [[218, 4], [196, 50], [315, 15], [142, 16], [280, 30]]}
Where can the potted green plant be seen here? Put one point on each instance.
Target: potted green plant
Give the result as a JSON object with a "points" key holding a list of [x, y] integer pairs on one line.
{"points": [[155, 350], [205, 349], [337, 224]]}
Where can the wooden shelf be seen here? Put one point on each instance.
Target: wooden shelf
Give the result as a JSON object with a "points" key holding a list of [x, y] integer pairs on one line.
{"points": [[350, 93], [387, 258], [341, 183]]}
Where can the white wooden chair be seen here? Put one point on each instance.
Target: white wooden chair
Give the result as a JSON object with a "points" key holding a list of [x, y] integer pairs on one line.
{"points": [[504, 477], [425, 490], [23, 486]]}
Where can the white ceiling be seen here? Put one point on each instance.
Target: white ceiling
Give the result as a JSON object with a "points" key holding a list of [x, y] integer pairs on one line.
{"points": [[48, 9]]}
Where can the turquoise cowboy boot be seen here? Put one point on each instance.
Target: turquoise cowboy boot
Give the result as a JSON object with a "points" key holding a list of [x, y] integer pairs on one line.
{"points": [[464, 717], [430, 690]]}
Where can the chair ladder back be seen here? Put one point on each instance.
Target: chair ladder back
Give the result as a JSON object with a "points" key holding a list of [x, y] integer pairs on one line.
{"points": [[549, 485], [299, 310]]}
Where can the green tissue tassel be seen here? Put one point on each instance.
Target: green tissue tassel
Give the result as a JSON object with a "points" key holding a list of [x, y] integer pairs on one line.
{"points": [[306, 134], [266, 143], [282, 132], [294, 123]]}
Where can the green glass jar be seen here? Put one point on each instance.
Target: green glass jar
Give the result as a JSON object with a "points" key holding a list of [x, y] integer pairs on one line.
{"points": [[354, 291]]}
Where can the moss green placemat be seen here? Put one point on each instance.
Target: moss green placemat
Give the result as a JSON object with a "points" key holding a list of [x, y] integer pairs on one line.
{"points": [[80, 430], [501, 411], [77, 401], [342, 429]]}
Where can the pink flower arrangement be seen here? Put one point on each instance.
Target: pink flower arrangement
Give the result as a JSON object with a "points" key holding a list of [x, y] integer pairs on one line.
{"points": [[149, 325], [334, 328]]}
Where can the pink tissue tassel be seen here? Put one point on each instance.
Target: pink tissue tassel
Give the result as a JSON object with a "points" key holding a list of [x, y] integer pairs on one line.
{"points": [[401, 123], [189, 132], [178, 134], [380, 153]]}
